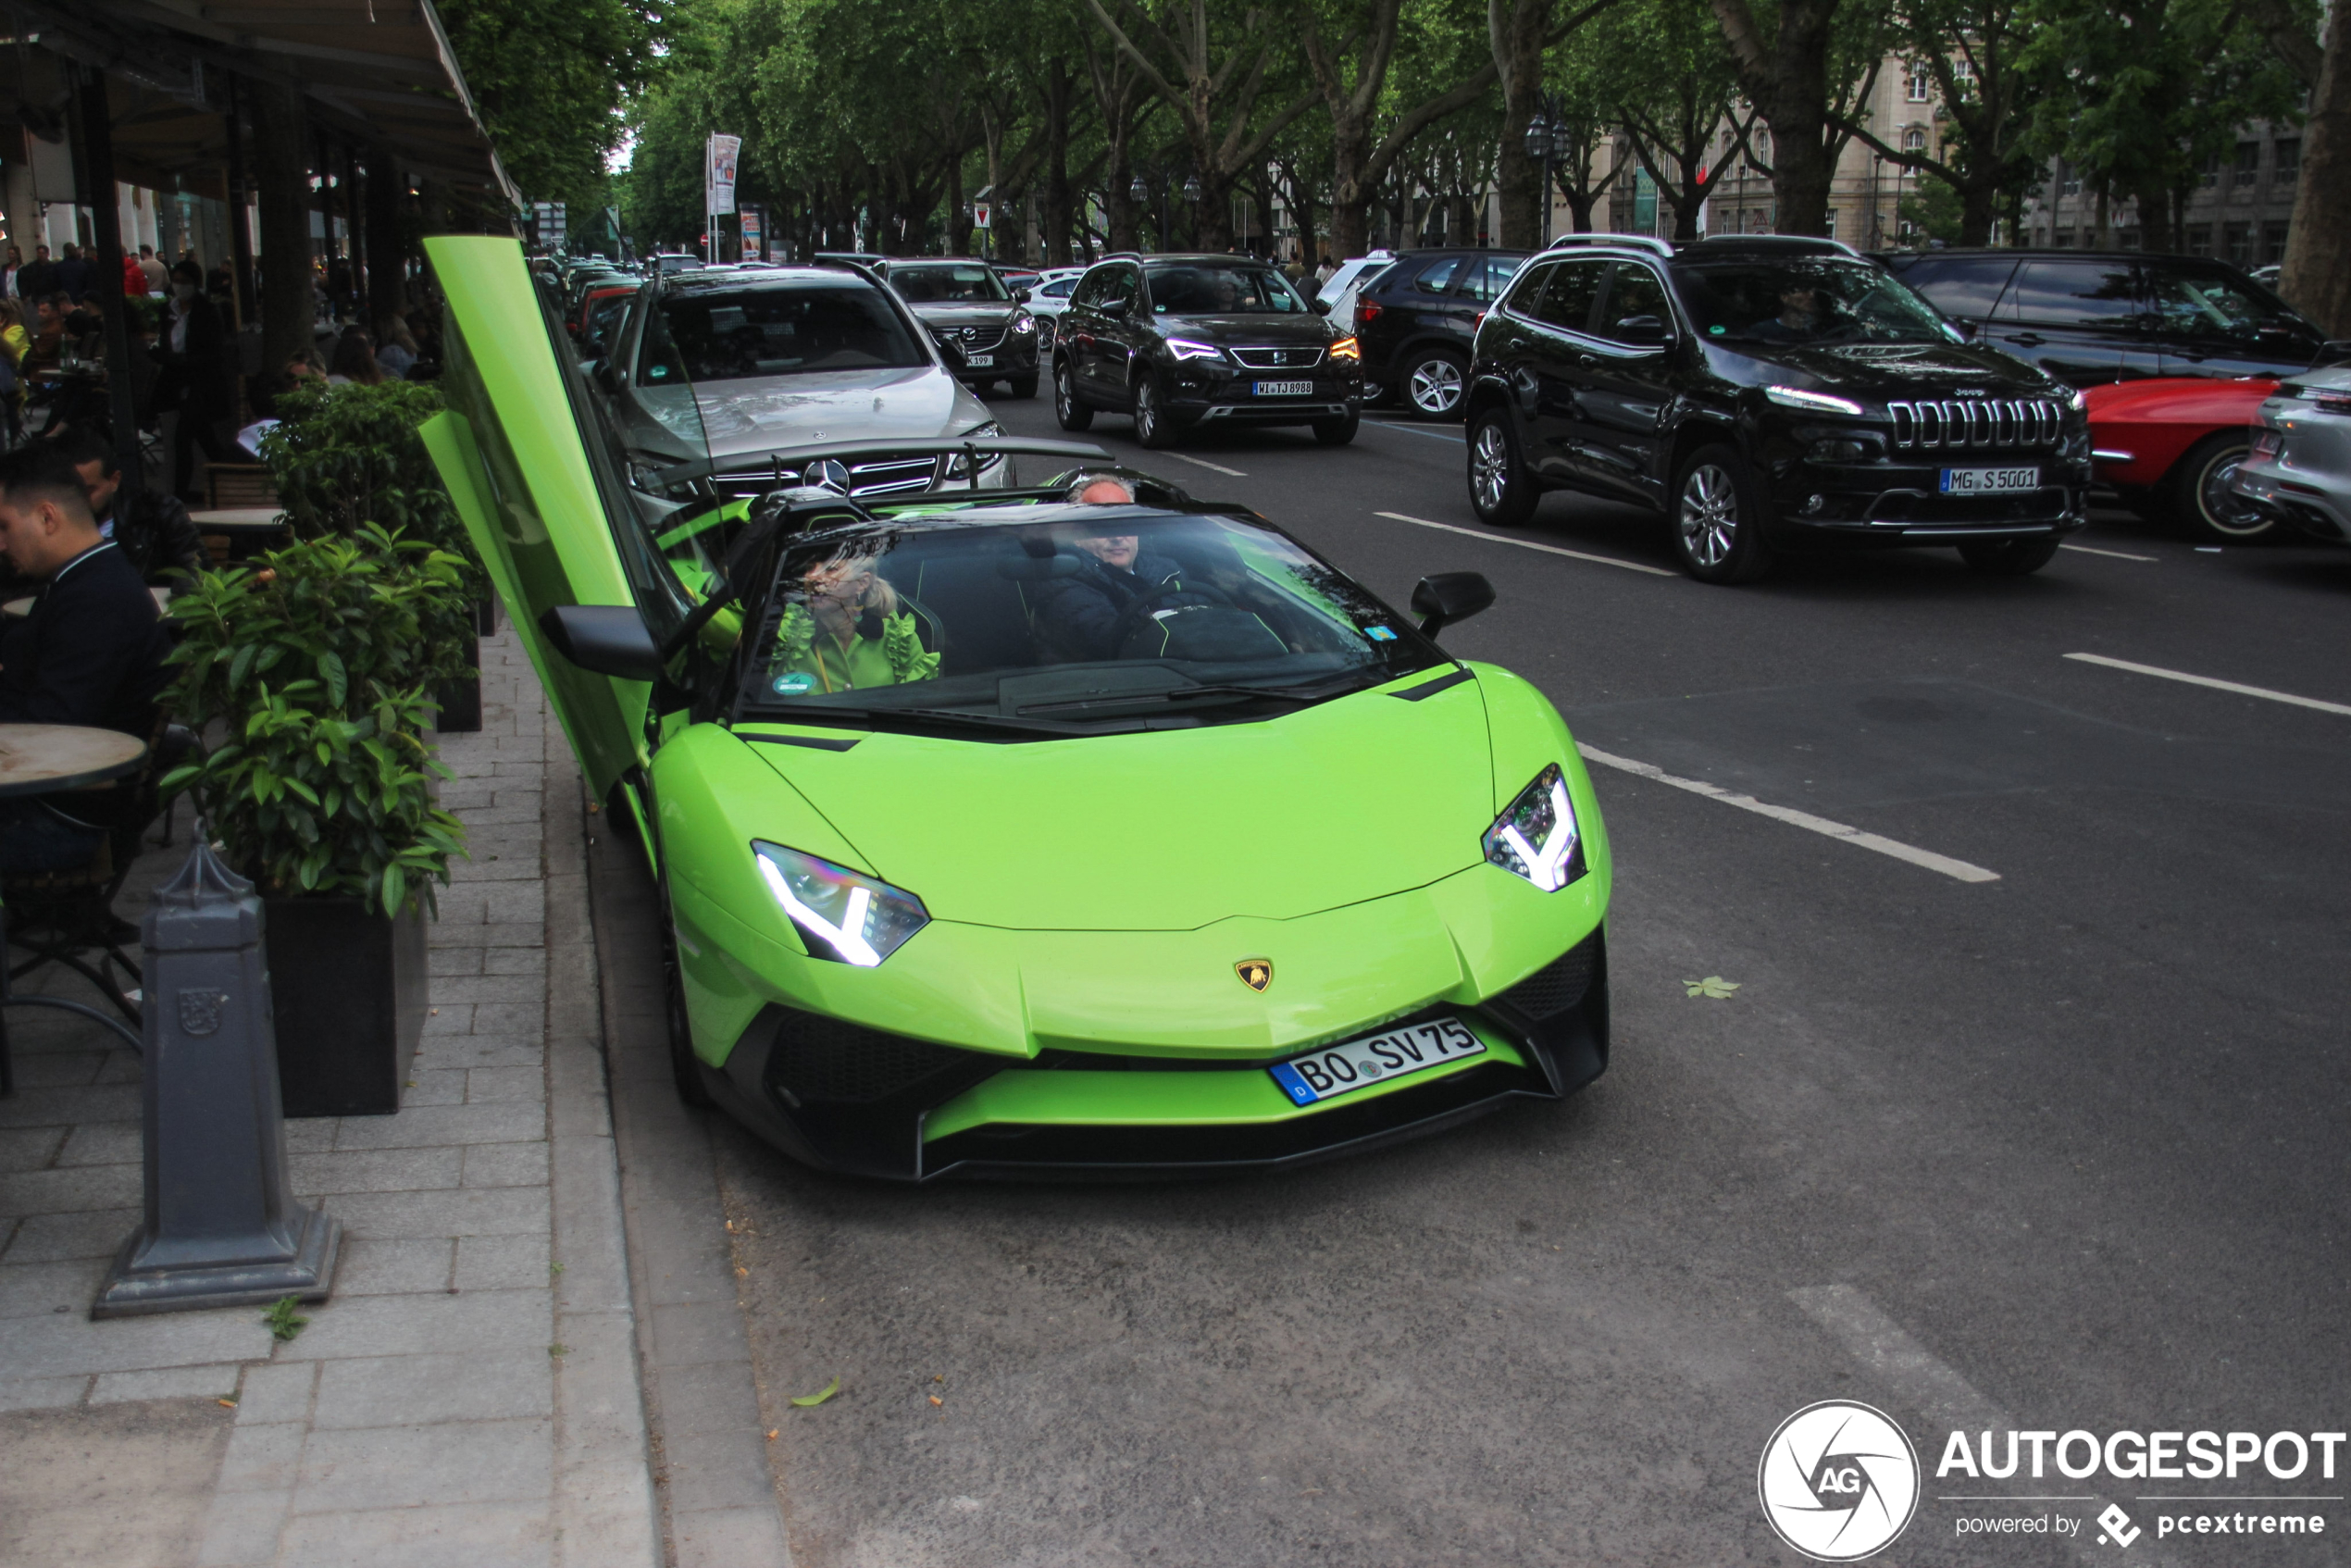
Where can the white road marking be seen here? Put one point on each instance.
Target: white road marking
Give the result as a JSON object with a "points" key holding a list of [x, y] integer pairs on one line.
{"points": [[1204, 462], [2110, 554], [1414, 430], [1530, 544], [1957, 869], [1923, 1382], [2241, 690]]}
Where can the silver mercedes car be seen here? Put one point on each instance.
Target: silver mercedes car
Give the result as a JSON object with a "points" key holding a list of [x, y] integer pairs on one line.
{"points": [[2299, 469], [726, 369]]}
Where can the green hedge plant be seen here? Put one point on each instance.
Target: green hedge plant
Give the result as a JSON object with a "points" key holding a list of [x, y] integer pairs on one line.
{"points": [[318, 669]]}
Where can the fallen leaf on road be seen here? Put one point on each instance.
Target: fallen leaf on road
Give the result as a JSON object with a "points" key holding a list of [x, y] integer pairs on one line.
{"points": [[820, 1396], [1713, 985], [771, 1433], [937, 1400]]}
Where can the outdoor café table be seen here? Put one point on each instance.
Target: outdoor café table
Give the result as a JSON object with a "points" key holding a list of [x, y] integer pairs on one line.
{"points": [[41, 759], [245, 526]]}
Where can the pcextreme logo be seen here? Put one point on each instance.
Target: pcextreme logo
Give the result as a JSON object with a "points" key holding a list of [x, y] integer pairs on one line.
{"points": [[1838, 1481]]}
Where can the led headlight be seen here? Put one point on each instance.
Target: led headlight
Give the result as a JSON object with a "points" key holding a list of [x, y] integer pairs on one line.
{"points": [[2075, 401], [1535, 836], [1810, 402], [1024, 324], [1192, 348], [843, 915]]}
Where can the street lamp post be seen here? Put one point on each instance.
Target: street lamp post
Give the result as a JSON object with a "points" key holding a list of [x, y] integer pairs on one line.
{"points": [[1192, 199], [1545, 136]]}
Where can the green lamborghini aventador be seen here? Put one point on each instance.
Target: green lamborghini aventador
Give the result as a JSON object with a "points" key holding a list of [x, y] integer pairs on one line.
{"points": [[1029, 817]]}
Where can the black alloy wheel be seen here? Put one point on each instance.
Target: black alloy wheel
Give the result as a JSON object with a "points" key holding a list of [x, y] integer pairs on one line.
{"points": [[1073, 414], [1339, 430], [1502, 492], [2197, 494], [1435, 384], [1718, 518], [2008, 557], [1152, 427]]}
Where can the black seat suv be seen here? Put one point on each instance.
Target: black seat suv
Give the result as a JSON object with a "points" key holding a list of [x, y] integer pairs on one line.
{"points": [[1417, 323], [1767, 393], [2089, 318], [1181, 341]]}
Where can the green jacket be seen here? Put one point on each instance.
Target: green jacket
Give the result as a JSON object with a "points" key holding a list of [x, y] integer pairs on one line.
{"points": [[808, 660]]}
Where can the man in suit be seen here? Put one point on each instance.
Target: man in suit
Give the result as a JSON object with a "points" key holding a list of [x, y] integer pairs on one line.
{"points": [[37, 278]]}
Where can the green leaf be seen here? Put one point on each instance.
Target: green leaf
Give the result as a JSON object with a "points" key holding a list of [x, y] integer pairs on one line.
{"points": [[806, 1402], [1713, 985]]}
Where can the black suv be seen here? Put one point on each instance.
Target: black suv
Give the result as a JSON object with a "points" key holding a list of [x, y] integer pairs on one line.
{"points": [[984, 328], [1180, 340], [1766, 392], [1417, 322], [2094, 317]]}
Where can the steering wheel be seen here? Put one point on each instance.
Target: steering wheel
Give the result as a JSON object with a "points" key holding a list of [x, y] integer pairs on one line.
{"points": [[1124, 626]]}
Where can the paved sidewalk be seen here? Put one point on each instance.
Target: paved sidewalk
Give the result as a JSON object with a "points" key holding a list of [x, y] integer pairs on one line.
{"points": [[470, 1396]]}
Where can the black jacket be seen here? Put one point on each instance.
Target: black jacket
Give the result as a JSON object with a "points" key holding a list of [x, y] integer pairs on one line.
{"points": [[36, 279], [91, 653], [196, 380], [1077, 616], [157, 533]]}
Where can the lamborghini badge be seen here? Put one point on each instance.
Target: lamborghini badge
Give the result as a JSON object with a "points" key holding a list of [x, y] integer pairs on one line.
{"points": [[1255, 973]]}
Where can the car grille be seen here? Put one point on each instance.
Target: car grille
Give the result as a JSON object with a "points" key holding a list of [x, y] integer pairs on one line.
{"points": [[975, 340], [879, 475], [834, 1062], [1556, 987], [1975, 422], [1277, 358]]}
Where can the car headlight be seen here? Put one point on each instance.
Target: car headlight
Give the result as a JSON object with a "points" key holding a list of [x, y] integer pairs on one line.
{"points": [[843, 915], [1811, 402], [2075, 401], [1192, 348], [1535, 836], [1024, 324], [987, 431], [1347, 348]]}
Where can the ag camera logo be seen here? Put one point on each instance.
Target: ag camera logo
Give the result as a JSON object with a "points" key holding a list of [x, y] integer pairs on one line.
{"points": [[1838, 1481]]}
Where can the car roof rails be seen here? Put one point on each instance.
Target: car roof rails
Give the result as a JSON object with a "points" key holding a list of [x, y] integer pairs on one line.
{"points": [[1648, 243], [1814, 244]]}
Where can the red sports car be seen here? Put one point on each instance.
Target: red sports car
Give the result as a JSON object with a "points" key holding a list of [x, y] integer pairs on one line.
{"points": [[2170, 446]]}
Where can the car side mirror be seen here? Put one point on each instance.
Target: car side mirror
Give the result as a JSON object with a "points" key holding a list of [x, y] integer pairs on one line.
{"points": [[605, 640], [1114, 309], [1645, 332], [1021, 295], [1448, 597], [1319, 307]]}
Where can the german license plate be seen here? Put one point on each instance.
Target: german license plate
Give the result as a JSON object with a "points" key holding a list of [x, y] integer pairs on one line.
{"points": [[1334, 1070], [1285, 389], [979, 361], [1989, 481]]}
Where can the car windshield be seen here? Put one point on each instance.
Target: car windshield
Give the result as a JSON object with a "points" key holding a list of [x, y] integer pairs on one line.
{"points": [[1802, 300], [1074, 617], [1207, 287], [2214, 304], [700, 336], [955, 283]]}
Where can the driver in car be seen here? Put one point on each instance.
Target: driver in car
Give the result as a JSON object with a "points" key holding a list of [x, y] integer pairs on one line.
{"points": [[1079, 616], [844, 629], [1800, 319]]}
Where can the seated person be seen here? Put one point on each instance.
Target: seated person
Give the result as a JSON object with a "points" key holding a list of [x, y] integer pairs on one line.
{"points": [[90, 653], [1078, 617], [152, 527], [1799, 320], [843, 630]]}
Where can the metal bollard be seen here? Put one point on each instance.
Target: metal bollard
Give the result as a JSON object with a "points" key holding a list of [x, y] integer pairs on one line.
{"points": [[222, 1228]]}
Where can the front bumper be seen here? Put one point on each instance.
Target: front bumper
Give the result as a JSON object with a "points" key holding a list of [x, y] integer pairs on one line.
{"points": [[1201, 393], [1016, 355], [849, 1098], [2307, 483], [1865, 504]]}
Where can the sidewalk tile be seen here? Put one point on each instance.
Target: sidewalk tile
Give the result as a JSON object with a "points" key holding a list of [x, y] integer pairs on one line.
{"points": [[376, 1265], [425, 1325], [505, 1262], [506, 1165], [40, 1289], [30, 1149], [276, 1393], [242, 1529], [44, 1238], [58, 1107], [426, 1390], [424, 1125], [262, 1458], [105, 1143], [510, 1534], [42, 1393], [712, 1470], [166, 1383], [380, 1467], [486, 1085], [434, 1085], [449, 1053], [729, 1538], [709, 1331], [77, 1190], [485, 1211], [708, 1396], [375, 1170]]}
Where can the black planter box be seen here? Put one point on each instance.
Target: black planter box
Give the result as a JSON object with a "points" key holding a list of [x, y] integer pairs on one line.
{"points": [[348, 990], [459, 702]]}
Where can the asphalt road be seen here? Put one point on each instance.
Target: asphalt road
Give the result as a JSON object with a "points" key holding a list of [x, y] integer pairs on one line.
{"points": [[2060, 1149]]}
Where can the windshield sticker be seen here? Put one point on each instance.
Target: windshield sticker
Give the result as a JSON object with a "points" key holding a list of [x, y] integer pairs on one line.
{"points": [[794, 684], [1718, 329], [1380, 633]]}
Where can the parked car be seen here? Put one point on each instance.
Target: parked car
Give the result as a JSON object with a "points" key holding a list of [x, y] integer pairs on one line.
{"points": [[1184, 341], [599, 313], [2171, 448], [987, 328], [1416, 322], [2299, 469], [677, 263], [1016, 277], [1338, 294], [1763, 393], [2093, 317], [973, 891], [722, 371], [1049, 297]]}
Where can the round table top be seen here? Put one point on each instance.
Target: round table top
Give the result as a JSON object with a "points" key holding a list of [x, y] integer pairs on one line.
{"points": [[38, 758], [232, 520]]}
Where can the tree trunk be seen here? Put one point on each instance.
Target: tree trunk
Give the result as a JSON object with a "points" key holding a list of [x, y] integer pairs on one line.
{"points": [[1350, 192], [1786, 80], [1516, 30], [2317, 279], [1976, 202], [281, 181]]}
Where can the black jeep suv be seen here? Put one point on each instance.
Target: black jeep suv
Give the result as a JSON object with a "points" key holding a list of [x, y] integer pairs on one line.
{"points": [[1767, 392], [983, 328], [1181, 340], [1417, 322], [2091, 316]]}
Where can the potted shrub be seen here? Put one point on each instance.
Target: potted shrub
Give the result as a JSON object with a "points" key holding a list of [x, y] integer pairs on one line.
{"points": [[315, 669], [343, 457]]}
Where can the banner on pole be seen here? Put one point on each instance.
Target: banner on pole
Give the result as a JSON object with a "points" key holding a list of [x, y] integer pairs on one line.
{"points": [[755, 236], [721, 183]]}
